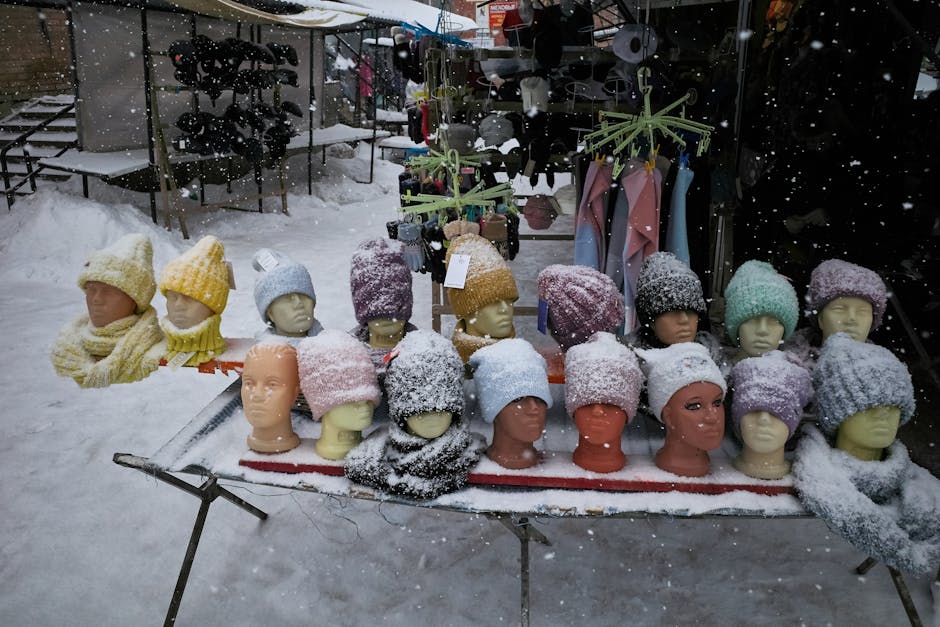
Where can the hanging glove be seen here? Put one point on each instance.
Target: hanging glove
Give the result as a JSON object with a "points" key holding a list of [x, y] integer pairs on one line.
{"points": [[410, 235], [512, 234], [496, 229], [434, 248]]}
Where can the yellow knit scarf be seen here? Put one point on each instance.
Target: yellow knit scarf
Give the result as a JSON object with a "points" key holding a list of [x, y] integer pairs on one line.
{"points": [[204, 339], [124, 348], [467, 344]]}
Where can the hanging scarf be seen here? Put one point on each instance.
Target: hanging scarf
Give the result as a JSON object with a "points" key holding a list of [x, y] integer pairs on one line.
{"points": [[125, 347], [467, 344], [888, 509], [203, 339], [642, 187], [414, 467], [677, 237], [590, 223]]}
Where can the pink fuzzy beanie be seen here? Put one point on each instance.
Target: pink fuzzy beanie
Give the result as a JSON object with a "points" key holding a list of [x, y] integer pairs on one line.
{"points": [[335, 369]]}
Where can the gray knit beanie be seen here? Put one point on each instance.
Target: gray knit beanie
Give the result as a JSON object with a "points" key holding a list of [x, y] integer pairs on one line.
{"points": [[280, 275], [505, 371]]}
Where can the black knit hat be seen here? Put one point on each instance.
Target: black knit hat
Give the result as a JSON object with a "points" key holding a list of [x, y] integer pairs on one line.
{"points": [[667, 284], [425, 375]]}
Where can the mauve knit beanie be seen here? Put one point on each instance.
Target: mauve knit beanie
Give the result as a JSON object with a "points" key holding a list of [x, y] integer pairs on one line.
{"points": [[380, 281], [756, 289], [770, 383], [581, 302], [835, 278], [602, 370]]}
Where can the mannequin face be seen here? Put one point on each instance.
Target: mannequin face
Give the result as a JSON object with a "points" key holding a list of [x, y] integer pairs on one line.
{"points": [[493, 320], [106, 303], [523, 419], [354, 416], [759, 335], [696, 415], [269, 387], [873, 428], [386, 332], [674, 327], [763, 432], [600, 422], [292, 314], [185, 312], [850, 314], [430, 424]]}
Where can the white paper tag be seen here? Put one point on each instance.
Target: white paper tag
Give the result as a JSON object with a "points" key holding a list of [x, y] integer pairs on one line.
{"points": [[266, 260], [457, 268], [230, 271], [179, 359]]}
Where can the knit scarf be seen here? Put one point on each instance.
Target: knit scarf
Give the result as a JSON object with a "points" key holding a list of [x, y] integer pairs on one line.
{"points": [[204, 339], [412, 466], [124, 347], [467, 344], [888, 509]]}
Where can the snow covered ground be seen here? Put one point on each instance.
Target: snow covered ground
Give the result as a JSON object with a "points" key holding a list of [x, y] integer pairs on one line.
{"points": [[86, 542]]}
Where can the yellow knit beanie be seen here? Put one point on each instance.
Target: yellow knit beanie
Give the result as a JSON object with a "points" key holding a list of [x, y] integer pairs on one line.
{"points": [[488, 278], [199, 273], [127, 264]]}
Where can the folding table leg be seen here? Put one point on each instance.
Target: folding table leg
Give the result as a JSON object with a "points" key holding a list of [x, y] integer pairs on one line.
{"points": [[525, 532], [903, 593]]}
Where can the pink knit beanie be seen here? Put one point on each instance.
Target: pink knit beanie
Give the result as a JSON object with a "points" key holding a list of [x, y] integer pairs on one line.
{"points": [[335, 369]]}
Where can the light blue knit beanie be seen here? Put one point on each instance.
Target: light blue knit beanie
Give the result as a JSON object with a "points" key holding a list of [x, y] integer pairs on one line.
{"points": [[280, 275], [507, 370], [756, 289]]}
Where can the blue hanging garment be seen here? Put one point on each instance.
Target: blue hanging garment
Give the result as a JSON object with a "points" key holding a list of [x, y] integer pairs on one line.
{"points": [[677, 237]]}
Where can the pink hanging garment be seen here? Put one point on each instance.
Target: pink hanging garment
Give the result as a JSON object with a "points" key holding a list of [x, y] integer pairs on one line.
{"points": [[643, 188], [590, 248]]}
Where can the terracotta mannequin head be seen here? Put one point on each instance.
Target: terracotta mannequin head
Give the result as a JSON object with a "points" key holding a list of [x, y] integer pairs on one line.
{"points": [[380, 284], [341, 428], [761, 308], [291, 314], [669, 300], [516, 428], [118, 280], [269, 388], [106, 303], [602, 389], [844, 297], [184, 311]]}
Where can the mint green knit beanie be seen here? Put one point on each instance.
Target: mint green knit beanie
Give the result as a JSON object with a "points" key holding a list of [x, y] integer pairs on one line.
{"points": [[756, 289]]}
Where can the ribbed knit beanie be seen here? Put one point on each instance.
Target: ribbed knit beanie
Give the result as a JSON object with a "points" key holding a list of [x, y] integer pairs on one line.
{"points": [[279, 275], [380, 281], [489, 279], [581, 301], [602, 370], [335, 369], [756, 289], [667, 284], [127, 264], [835, 278], [852, 376], [670, 369], [425, 374], [505, 371], [199, 273], [770, 383]]}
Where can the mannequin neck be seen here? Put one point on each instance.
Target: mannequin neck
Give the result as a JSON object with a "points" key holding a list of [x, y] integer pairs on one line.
{"points": [[284, 333], [276, 439], [604, 457], [770, 465], [335, 442], [511, 453], [864, 453], [680, 458]]}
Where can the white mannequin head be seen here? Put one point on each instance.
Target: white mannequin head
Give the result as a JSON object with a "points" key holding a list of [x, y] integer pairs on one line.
{"points": [[493, 320], [849, 314], [759, 335], [429, 424], [292, 314]]}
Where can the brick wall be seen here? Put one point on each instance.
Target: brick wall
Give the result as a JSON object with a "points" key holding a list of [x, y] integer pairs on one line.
{"points": [[32, 62]]}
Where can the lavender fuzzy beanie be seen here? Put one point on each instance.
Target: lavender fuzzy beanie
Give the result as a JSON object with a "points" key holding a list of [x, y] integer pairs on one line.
{"points": [[380, 281], [665, 284], [770, 383], [505, 371], [835, 278], [425, 375], [335, 369], [670, 369], [756, 289], [602, 370], [852, 376], [280, 275], [581, 301]]}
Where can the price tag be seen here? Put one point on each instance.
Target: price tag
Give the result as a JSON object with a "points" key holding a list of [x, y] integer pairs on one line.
{"points": [[231, 274], [457, 268], [179, 359], [542, 322], [266, 260]]}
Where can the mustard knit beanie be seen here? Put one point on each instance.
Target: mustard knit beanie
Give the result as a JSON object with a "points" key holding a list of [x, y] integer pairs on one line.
{"points": [[199, 273], [127, 264], [488, 278]]}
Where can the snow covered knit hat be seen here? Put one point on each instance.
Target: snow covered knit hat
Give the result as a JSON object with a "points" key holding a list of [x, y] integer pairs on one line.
{"points": [[507, 370], [667, 284], [670, 369], [380, 281], [602, 370], [770, 383], [756, 289], [488, 278], [425, 375], [127, 264], [581, 301], [852, 376], [835, 278], [335, 369], [199, 273], [280, 275]]}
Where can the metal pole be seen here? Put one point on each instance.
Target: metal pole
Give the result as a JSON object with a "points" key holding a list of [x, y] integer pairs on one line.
{"points": [[311, 98], [145, 43], [865, 566], [375, 105], [524, 571], [70, 22], [190, 556], [905, 597]]}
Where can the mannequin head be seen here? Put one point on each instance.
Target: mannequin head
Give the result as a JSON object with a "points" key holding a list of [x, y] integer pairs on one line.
{"points": [[429, 424], [385, 332], [380, 284], [600, 423], [764, 436], [342, 427], [269, 388], [848, 314], [493, 320], [695, 415], [184, 311], [515, 429], [291, 314], [336, 371], [674, 327], [106, 303], [866, 434], [761, 308], [760, 335]]}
